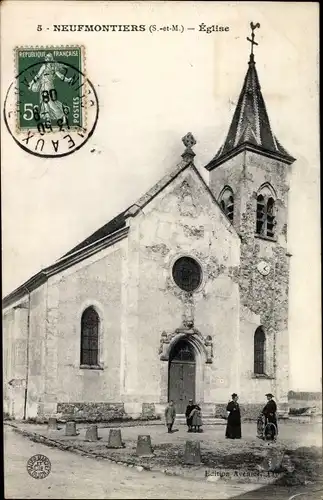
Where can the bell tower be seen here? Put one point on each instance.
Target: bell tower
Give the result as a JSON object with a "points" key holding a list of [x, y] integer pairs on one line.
{"points": [[249, 176]]}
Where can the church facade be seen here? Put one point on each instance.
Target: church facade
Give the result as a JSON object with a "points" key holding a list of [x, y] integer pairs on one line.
{"points": [[183, 295]]}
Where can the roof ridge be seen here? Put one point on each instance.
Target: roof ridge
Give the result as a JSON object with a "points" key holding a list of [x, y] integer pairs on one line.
{"points": [[157, 187]]}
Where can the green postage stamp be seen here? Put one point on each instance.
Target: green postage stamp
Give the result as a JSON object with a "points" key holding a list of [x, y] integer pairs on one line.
{"points": [[51, 95], [51, 108]]}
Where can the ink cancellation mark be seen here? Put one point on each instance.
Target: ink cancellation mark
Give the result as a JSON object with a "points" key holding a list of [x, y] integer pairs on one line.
{"points": [[39, 466], [51, 108]]}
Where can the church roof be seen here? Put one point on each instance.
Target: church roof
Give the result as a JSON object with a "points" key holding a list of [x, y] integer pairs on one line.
{"points": [[112, 232], [250, 127], [119, 221], [113, 225], [109, 234]]}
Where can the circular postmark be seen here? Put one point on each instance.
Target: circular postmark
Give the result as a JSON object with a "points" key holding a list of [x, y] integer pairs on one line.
{"points": [[38, 466], [51, 108]]}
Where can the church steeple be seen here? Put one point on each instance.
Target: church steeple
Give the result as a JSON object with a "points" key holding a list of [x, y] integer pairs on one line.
{"points": [[250, 127]]}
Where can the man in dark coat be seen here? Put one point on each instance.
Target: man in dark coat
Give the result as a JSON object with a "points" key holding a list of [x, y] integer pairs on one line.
{"points": [[269, 412], [190, 407], [233, 430]]}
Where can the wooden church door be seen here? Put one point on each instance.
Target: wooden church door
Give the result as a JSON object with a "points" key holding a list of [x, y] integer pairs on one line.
{"points": [[181, 376]]}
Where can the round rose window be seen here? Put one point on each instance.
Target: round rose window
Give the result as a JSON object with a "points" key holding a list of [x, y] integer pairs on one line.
{"points": [[187, 274]]}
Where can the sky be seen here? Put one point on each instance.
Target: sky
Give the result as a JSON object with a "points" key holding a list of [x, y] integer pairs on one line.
{"points": [[153, 88]]}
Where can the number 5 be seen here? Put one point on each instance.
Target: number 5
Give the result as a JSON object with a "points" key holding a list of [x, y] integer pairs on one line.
{"points": [[28, 108]]}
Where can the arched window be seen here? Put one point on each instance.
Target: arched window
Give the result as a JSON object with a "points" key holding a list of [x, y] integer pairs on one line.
{"points": [[259, 351], [265, 221], [90, 337], [226, 201]]}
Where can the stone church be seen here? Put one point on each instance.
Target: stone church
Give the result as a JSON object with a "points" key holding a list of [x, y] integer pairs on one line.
{"points": [[183, 295]]}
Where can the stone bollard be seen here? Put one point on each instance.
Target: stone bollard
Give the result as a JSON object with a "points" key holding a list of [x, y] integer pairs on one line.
{"points": [[272, 461], [192, 455], [52, 423], [91, 433], [144, 448], [287, 464], [115, 439], [70, 429]]}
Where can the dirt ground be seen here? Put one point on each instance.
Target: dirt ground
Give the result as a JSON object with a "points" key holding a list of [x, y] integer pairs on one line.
{"points": [[299, 446], [80, 477]]}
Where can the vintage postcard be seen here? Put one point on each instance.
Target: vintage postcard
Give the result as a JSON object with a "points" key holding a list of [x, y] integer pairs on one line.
{"points": [[161, 249]]}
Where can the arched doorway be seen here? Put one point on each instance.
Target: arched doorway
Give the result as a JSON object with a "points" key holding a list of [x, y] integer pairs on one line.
{"points": [[181, 374]]}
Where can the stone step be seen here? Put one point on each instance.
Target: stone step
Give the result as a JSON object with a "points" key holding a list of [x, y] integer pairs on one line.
{"points": [[206, 419]]}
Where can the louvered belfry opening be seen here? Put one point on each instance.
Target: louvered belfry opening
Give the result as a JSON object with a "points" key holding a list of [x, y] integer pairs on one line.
{"points": [[265, 224], [270, 217], [260, 214], [227, 202]]}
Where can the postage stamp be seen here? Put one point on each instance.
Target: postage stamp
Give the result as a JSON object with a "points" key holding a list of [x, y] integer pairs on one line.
{"points": [[51, 108]]}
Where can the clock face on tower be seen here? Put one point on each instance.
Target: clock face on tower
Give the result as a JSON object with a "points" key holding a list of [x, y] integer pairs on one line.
{"points": [[263, 267]]}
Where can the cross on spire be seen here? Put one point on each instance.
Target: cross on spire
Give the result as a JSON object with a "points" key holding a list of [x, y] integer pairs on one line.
{"points": [[252, 39], [250, 128]]}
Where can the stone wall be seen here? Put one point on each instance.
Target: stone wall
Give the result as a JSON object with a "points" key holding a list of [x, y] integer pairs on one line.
{"points": [[263, 297], [37, 350], [8, 364], [183, 220], [148, 411], [250, 411], [297, 399], [304, 396], [94, 282], [95, 412], [23, 363]]}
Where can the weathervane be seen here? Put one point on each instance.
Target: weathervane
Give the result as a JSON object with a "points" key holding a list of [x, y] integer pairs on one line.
{"points": [[252, 39]]}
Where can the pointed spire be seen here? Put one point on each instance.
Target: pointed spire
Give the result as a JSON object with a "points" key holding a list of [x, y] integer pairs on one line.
{"points": [[250, 124]]}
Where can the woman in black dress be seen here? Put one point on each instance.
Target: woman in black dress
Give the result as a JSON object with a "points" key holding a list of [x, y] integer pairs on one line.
{"points": [[233, 430]]}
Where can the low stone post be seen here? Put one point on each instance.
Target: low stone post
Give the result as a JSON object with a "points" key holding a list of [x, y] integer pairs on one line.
{"points": [[192, 455], [144, 448], [52, 423], [273, 460], [70, 429], [115, 439], [91, 433]]}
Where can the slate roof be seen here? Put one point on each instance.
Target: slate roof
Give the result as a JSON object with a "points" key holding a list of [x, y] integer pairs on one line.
{"points": [[250, 123], [108, 234], [112, 232], [119, 221], [113, 225]]}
